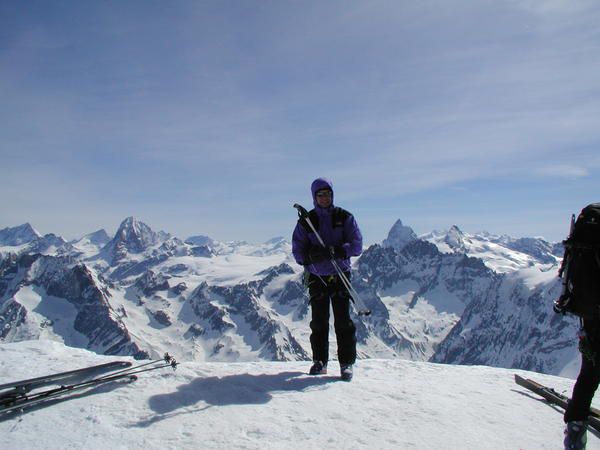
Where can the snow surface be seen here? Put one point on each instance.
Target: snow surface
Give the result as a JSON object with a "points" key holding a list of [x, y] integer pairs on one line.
{"points": [[56, 316], [391, 404], [223, 270]]}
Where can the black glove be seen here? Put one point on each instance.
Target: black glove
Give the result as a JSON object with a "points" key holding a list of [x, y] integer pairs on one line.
{"points": [[339, 253], [317, 254]]}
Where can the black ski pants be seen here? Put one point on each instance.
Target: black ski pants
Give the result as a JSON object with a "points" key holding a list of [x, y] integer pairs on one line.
{"points": [[323, 291], [589, 375]]}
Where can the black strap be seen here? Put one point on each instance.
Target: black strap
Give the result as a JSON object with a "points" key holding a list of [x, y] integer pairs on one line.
{"points": [[569, 243], [338, 218]]}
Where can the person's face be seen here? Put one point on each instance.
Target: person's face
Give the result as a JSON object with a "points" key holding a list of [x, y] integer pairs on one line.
{"points": [[324, 198]]}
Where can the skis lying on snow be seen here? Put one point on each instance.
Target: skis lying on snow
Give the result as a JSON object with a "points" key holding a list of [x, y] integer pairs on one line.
{"points": [[33, 383], [18, 395], [556, 398]]}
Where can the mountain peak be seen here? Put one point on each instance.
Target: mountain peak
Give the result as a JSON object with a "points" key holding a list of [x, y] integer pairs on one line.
{"points": [[399, 236], [133, 236], [19, 235], [455, 229], [129, 222], [455, 238], [137, 235]]}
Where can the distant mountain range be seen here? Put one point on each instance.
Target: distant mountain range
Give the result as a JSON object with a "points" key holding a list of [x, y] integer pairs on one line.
{"points": [[448, 297]]}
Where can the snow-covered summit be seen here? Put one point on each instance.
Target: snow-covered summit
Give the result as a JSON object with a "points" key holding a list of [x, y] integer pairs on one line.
{"points": [[25, 239], [399, 236], [92, 243], [15, 236], [455, 239], [134, 237]]}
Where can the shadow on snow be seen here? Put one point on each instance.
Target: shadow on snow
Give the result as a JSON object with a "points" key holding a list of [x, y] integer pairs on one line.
{"points": [[239, 389]]}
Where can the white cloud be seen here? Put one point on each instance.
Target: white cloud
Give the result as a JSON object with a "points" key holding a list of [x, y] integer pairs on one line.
{"points": [[563, 171]]}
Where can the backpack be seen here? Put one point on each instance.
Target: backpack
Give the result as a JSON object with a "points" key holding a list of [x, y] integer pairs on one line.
{"points": [[580, 269], [338, 218]]}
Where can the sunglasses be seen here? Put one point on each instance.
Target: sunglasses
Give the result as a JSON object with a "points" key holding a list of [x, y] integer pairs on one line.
{"points": [[324, 194]]}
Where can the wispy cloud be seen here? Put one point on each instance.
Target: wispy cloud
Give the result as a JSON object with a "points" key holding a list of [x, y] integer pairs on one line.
{"points": [[563, 171]]}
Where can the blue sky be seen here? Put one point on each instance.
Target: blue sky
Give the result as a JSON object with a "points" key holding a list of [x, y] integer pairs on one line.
{"points": [[213, 117]]}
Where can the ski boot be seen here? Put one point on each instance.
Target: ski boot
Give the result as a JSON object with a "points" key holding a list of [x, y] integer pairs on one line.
{"points": [[575, 436], [318, 368], [346, 372]]}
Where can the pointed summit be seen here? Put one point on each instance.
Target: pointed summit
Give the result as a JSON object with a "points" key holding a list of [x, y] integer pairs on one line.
{"points": [[399, 236], [136, 235], [132, 236], [455, 239], [23, 234]]}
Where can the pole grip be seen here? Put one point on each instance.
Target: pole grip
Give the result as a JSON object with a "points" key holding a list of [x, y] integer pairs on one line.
{"points": [[302, 212]]}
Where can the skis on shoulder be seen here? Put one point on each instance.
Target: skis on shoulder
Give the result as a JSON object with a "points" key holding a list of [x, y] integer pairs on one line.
{"points": [[556, 398]]}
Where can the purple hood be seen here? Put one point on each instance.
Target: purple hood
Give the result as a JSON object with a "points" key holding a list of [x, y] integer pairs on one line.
{"points": [[318, 185]]}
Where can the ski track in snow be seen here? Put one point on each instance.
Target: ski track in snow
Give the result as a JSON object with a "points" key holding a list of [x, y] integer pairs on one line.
{"points": [[391, 404]]}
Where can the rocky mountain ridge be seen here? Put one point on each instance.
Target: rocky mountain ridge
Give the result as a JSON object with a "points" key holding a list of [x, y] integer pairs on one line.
{"points": [[441, 297]]}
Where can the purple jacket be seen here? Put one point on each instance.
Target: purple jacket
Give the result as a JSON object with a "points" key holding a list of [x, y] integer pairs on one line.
{"points": [[348, 236]]}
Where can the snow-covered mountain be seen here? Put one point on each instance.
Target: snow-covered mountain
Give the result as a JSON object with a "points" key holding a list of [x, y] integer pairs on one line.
{"points": [[200, 240], [390, 404], [418, 294], [16, 236], [132, 237], [500, 253], [513, 326], [144, 293], [47, 297], [25, 239], [91, 243]]}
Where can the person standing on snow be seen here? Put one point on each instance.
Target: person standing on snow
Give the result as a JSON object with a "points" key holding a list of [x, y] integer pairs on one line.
{"points": [[340, 233], [580, 273]]}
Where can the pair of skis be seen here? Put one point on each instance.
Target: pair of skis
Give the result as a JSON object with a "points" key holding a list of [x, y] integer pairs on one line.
{"points": [[556, 398], [19, 395]]}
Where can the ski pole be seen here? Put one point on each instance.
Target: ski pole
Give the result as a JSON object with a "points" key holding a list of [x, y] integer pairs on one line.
{"points": [[167, 361], [362, 309]]}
